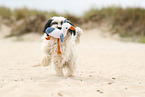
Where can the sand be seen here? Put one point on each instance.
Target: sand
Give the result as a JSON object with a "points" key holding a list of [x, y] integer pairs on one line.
{"points": [[107, 68]]}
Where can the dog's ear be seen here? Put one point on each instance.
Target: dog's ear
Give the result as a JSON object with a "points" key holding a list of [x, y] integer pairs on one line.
{"points": [[48, 24]]}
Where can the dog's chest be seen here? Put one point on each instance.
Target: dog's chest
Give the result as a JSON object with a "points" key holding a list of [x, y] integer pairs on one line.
{"points": [[53, 45]]}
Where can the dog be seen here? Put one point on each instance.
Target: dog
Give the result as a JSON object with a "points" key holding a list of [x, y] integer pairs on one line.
{"points": [[68, 58]]}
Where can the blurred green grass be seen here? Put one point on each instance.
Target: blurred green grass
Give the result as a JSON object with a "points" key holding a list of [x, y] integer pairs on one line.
{"points": [[5, 12], [127, 22], [142, 40]]}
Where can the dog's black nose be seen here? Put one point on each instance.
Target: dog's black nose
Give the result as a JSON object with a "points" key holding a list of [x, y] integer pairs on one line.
{"points": [[59, 28]]}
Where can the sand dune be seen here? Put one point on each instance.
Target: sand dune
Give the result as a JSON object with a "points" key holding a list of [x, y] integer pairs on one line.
{"points": [[107, 68]]}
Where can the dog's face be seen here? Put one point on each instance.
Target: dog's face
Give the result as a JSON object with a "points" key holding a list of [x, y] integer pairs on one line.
{"points": [[57, 22]]}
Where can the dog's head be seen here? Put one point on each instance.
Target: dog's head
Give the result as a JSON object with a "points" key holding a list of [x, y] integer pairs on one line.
{"points": [[56, 22]]}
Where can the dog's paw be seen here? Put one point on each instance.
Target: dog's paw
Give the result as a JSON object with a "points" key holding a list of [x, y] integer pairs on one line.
{"points": [[69, 75], [46, 60]]}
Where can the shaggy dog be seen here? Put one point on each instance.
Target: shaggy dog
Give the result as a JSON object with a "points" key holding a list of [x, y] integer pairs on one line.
{"points": [[68, 58]]}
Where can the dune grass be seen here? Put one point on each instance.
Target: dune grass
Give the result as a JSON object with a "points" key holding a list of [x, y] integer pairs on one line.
{"points": [[5, 12], [127, 22], [142, 40]]}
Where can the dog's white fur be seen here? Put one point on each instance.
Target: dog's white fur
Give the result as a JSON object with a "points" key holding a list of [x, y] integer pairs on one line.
{"points": [[68, 58]]}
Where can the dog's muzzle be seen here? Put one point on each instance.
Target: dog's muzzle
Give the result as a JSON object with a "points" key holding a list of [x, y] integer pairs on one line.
{"points": [[59, 28]]}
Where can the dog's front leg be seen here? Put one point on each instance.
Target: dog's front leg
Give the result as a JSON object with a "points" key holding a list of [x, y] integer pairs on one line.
{"points": [[45, 60], [71, 64], [58, 61], [59, 71], [70, 69]]}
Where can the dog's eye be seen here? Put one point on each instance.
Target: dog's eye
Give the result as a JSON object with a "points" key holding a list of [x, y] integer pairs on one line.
{"points": [[61, 22], [54, 23]]}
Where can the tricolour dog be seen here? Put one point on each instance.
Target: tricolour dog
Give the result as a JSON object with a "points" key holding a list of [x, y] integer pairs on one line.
{"points": [[68, 58]]}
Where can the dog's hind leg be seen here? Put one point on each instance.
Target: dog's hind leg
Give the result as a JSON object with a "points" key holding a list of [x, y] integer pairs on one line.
{"points": [[45, 60]]}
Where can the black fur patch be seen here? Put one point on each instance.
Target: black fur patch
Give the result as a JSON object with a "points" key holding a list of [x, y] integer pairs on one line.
{"points": [[70, 23], [73, 32], [48, 24]]}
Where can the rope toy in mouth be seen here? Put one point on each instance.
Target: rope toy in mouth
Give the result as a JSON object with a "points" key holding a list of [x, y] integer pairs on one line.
{"points": [[59, 34]]}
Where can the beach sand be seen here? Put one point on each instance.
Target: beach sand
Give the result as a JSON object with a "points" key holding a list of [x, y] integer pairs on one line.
{"points": [[107, 68]]}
